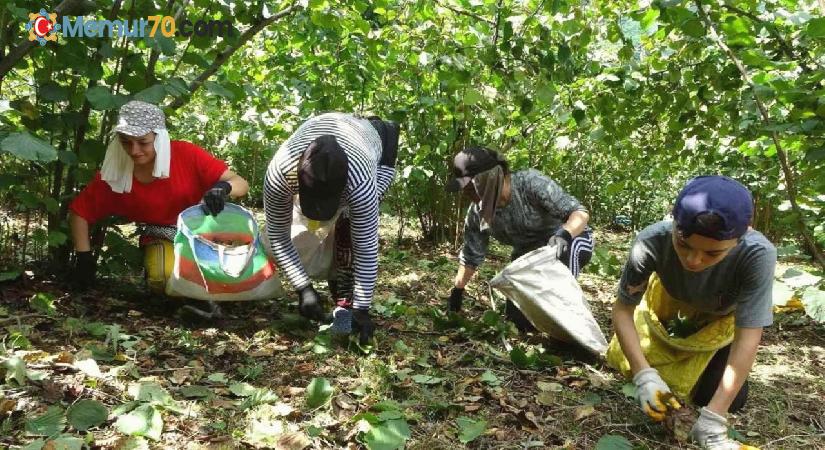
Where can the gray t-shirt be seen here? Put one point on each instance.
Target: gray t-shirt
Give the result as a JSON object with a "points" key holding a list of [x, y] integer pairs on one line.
{"points": [[741, 282], [538, 206]]}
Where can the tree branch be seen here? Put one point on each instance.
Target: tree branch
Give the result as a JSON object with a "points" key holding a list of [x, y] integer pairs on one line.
{"points": [[462, 12], [154, 54], [772, 29], [18, 52], [227, 53], [790, 180]]}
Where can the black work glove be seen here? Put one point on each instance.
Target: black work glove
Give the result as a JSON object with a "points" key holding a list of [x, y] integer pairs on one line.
{"points": [[310, 304], [215, 198], [362, 324], [456, 298], [561, 240], [84, 270]]}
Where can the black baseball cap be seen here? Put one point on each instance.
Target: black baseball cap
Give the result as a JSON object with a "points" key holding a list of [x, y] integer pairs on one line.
{"points": [[719, 195], [322, 178], [470, 162]]}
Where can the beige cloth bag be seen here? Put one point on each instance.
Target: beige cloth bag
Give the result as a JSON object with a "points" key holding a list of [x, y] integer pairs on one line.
{"points": [[550, 297]]}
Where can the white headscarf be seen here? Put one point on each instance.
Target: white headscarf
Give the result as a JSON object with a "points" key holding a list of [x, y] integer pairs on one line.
{"points": [[136, 118], [118, 166]]}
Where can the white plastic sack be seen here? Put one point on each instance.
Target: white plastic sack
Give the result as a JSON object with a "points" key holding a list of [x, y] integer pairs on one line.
{"points": [[550, 297], [314, 241]]}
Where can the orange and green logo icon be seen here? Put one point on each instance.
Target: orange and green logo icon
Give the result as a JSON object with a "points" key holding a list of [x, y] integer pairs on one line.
{"points": [[42, 27]]}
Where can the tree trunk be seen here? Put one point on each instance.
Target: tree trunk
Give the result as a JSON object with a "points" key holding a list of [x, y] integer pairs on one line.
{"points": [[224, 56], [787, 172], [23, 48]]}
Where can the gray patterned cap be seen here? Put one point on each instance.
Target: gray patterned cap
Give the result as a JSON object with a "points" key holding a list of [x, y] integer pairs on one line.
{"points": [[138, 118]]}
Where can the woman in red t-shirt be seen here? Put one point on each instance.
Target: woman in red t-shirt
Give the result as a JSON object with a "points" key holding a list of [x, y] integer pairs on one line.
{"points": [[147, 178]]}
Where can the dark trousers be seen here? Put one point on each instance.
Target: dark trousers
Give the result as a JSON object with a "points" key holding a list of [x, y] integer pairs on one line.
{"points": [[578, 254], [710, 379], [342, 284]]}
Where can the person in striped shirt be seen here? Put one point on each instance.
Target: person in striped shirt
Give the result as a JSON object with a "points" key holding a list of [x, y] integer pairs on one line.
{"points": [[337, 167], [525, 209]]}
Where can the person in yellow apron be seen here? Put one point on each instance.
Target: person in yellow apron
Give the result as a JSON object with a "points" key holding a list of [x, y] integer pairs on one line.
{"points": [[693, 298]]}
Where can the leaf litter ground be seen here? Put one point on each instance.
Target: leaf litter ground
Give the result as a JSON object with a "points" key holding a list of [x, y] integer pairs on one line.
{"points": [[265, 378]]}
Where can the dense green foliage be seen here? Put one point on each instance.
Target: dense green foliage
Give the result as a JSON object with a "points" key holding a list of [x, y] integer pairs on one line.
{"points": [[620, 101]]}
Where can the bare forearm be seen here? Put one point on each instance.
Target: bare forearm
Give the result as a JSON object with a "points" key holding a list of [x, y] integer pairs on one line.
{"points": [[80, 233], [628, 337], [239, 186], [465, 273], [741, 358], [576, 222]]}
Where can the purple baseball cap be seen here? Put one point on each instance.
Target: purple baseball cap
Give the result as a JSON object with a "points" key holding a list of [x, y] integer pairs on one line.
{"points": [[714, 194]]}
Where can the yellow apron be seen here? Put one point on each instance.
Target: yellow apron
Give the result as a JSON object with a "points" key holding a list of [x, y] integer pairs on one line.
{"points": [[159, 261], [680, 361]]}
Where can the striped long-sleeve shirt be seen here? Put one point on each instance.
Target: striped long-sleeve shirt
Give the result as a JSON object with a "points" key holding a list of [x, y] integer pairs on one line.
{"points": [[366, 184]]}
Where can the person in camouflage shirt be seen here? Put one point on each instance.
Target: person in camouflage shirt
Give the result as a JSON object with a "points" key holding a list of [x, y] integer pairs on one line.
{"points": [[524, 209]]}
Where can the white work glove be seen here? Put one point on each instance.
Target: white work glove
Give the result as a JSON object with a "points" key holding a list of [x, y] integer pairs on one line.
{"points": [[653, 394], [711, 431]]}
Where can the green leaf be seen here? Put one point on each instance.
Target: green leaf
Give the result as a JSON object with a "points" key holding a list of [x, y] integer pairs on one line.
{"points": [[490, 378], [242, 389], [613, 442], [426, 379], [472, 97], [51, 423], [219, 90], [176, 87], [520, 358], [15, 370], [43, 302], [86, 414], [470, 429], [125, 408], [37, 444], [53, 92], [65, 442], [591, 398], [629, 390], [318, 393], [259, 397], [154, 94], [390, 435], [10, 275], [218, 377], [161, 43], [196, 392], [56, 238], [815, 28], [101, 98], [814, 301], [67, 157], [96, 329], [545, 94], [28, 147], [143, 421], [154, 394]]}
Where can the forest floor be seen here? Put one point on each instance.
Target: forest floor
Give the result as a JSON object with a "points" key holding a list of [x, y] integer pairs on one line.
{"points": [[246, 381]]}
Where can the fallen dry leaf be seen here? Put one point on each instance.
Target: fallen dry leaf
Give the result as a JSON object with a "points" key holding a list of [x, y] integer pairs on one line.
{"points": [[680, 421], [7, 406], [472, 407], [305, 368], [64, 358], [546, 398], [179, 376], [583, 411], [549, 386], [52, 392], [292, 441]]}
